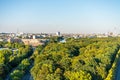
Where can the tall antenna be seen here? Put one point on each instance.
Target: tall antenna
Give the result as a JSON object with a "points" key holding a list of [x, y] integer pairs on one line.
{"points": [[17, 30], [116, 30]]}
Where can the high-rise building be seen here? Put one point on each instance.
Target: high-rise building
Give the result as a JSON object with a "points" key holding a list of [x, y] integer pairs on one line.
{"points": [[58, 33]]}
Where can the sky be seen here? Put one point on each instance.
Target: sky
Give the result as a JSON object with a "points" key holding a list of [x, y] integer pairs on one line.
{"points": [[67, 16]]}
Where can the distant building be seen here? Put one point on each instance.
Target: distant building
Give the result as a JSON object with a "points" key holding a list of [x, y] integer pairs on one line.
{"points": [[101, 35], [63, 41], [57, 33], [34, 36], [11, 40], [76, 36], [34, 42], [20, 34], [1, 40]]}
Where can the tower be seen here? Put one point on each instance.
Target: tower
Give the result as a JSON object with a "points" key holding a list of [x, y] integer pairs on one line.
{"points": [[58, 33]]}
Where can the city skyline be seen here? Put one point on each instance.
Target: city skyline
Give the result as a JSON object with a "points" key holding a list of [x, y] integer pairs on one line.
{"points": [[67, 16]]}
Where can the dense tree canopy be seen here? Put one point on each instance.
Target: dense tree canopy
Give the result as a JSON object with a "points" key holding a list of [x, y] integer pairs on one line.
{"points": [[11, 55], [77, 59]]}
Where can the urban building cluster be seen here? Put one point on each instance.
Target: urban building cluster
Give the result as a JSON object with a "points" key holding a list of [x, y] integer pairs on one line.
{"points": [[41, 38], [26, 38], [97, 35]]}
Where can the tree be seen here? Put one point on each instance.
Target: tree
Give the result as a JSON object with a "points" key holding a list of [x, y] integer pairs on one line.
{"points": [[78, 75], [3, 70]]}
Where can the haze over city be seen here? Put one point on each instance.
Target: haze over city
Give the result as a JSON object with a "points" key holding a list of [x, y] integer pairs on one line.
{"points": [[67, 16]]}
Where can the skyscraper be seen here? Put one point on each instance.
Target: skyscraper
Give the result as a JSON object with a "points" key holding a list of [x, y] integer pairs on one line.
{"points": [[58, 33]]}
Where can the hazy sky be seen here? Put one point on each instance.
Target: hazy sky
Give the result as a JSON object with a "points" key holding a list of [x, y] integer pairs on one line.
{"points": [[78, 16]]}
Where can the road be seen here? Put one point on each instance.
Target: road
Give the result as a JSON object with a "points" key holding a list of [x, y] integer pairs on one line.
{"points": [[117, 77], [8, 76], [27, 76]]}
